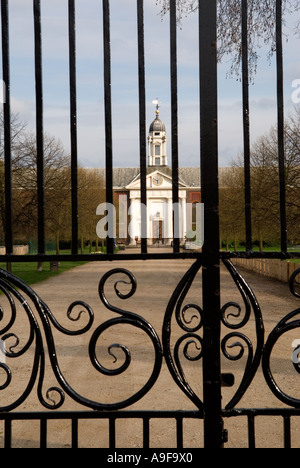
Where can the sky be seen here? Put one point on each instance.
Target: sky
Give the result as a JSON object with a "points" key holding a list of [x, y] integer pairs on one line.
{"points": [[91, 134]]}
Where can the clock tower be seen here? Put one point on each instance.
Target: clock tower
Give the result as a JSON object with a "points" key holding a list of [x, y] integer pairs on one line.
{"points": [[157, 141]]}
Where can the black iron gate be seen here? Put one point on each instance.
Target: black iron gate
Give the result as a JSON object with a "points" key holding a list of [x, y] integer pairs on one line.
{"points": [[206, 335]]}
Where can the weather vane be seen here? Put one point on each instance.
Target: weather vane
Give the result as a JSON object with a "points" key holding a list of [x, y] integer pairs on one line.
{"points": [[157, 105]]}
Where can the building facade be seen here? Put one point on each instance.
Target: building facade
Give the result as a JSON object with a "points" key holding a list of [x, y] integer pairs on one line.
{"points": [[127, 191]]}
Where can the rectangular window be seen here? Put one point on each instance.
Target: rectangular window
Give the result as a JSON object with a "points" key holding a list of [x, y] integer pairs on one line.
{"points": [[157, 161], [157, 150]]}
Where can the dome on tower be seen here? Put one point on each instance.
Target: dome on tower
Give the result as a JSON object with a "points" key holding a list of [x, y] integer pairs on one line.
{"points": [[157, 126], [157, 140]]}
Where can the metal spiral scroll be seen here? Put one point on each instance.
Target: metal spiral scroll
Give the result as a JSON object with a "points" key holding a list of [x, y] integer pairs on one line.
{"points": [[185, 317], [127, 318], [20, 296], [295, 283], [242, 342], [17, 292], [288, 323], [192, 325]]}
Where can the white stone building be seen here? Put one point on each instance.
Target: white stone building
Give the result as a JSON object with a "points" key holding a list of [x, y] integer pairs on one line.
{"points": [[127, 189]]}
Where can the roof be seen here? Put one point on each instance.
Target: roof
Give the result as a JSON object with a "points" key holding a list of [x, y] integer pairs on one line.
{"points": [[157, 126], [189, 176], [124, 176]]}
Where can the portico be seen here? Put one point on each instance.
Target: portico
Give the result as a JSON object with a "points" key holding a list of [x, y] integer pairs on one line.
{"points": [[159, 209]]}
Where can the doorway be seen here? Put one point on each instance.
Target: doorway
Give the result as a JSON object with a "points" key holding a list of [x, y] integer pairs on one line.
{"points": [[157, 230]]}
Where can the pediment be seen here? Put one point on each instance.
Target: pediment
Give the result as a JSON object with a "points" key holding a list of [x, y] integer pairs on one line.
{"points": [[155, 179]]}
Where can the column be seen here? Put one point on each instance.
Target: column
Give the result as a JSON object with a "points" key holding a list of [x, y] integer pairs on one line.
{"points": [[135, 215], [169, 221], [183, 222]]}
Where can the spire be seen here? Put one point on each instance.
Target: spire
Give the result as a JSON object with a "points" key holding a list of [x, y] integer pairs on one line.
{"points": [[157, 107]]}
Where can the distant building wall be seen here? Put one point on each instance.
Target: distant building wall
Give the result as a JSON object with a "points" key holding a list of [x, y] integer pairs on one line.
{"points": [[17, 250], [277, 269]]}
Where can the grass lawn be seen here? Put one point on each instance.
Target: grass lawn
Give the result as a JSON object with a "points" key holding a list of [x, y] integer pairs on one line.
{"points": [[28, 271], [269, 249]]}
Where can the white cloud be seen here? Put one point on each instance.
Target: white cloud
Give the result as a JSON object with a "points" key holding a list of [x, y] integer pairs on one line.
{"points": [[25, 109], [125, 80]]}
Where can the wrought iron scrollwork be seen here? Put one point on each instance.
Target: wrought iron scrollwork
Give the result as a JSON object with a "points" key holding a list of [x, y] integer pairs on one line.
{"points": [[233, 316], [295, 283], [127, 318], [241, 341], [288, 323], [189, 319], [20, 295], [177, 350]]}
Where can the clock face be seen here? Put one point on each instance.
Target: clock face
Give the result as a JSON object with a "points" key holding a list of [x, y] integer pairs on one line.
{"points": [[157, 180]]}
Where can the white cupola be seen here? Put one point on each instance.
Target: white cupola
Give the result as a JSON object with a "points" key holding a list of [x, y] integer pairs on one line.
{"points": [[157, 140]]}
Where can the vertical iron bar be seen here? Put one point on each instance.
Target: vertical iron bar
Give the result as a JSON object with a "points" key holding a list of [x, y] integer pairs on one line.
{"points": [[179, 432], [287, 432], [74, 433], [39, 125], [174, 123], [43, 433], [7, 433], [146, 433], [142, 123], [213, 425], [108, 118], [112, 433], [7, 127], [251, 431], [280, 110], [73, 125], [246, 124]]}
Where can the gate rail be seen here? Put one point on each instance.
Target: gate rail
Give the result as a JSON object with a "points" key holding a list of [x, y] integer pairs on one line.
{"points": [[146, 417], [112, 417]]}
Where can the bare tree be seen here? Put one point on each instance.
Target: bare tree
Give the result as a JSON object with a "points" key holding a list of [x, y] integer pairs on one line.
{"points": [[91, 193], [57, 187], [265, 183], [261, 24], [232, 219], [18, 131]]}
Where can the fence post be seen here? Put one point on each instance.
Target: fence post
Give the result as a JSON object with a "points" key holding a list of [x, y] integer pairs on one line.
{"points": [[213, 425]]}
